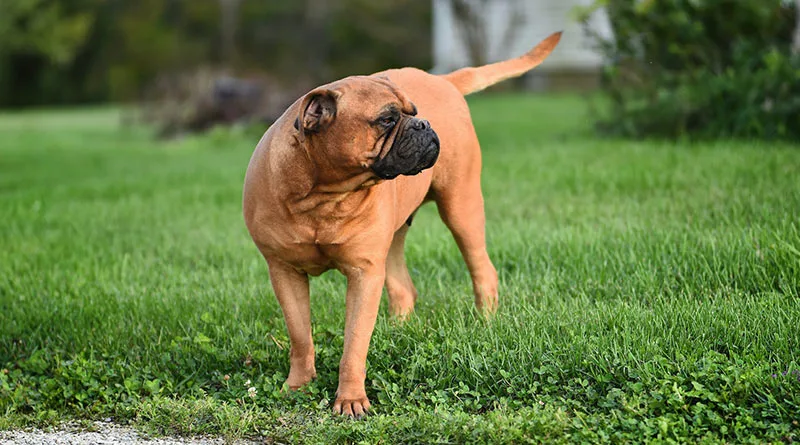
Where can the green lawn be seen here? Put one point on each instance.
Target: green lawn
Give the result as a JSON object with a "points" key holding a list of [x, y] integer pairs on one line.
{"points": [[649, 291]]}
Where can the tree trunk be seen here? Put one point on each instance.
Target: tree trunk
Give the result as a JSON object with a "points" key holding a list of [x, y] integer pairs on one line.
{"points": [[796, 40], [317, 16], [470, 19], [229, 20]]}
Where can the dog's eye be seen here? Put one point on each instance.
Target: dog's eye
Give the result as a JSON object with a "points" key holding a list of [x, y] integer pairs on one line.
{"points": [[387, 121]]}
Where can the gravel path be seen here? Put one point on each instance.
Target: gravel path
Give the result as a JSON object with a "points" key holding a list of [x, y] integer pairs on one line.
{"points": [[101, 433]]}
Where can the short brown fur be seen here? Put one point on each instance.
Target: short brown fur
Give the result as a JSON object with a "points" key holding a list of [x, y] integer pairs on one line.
{"points": [[311, 203]]}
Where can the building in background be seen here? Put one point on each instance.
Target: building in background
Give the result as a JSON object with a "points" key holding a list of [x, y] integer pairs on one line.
{"points": [[473, 32]]}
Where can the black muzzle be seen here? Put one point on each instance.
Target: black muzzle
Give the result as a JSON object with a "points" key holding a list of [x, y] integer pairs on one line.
{"points": [[415, 148]]}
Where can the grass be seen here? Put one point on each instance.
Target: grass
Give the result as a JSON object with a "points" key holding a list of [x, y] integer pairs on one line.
{"points": [[649, 291]]}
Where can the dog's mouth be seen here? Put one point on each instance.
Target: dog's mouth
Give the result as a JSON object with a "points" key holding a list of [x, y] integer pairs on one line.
{"points": [[414, 149]]}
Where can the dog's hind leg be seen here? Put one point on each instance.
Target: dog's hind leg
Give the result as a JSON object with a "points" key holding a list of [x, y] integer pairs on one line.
{"points": [[401, 290], [461, 209]]}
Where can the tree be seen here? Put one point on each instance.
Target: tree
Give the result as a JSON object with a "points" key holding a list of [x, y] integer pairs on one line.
{"points": [[39, 43], [472, 19], [43, 28]]}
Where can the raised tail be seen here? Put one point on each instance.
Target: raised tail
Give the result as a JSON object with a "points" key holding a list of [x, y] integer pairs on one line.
{"points": [[473, 79]]}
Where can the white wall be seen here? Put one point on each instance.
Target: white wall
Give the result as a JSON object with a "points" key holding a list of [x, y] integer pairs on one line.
{"points": [[539, 19]]}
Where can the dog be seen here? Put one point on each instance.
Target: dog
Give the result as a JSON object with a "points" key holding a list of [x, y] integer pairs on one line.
{"points": [[334, 184]]}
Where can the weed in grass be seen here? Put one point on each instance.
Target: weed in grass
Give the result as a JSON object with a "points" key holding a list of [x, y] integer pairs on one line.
{"points": [[649, 292]]}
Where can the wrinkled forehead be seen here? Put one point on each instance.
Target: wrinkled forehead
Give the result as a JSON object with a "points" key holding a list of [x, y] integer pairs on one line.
{"points": [[372, 95]]}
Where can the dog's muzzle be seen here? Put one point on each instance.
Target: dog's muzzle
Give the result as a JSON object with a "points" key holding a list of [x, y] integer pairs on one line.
{"points": [[415, 148]]}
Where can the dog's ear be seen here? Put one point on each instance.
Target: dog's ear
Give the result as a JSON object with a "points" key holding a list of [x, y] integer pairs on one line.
{"points": [[317, 111]]}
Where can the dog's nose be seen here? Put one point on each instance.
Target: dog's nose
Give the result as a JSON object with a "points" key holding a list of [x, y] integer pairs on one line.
{"points": [[421, 124]]}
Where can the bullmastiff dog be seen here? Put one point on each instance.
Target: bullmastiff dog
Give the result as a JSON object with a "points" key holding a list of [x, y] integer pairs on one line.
{"points": [[335, 182]]}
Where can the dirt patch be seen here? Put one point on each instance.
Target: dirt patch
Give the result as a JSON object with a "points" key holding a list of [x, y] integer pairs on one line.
{"points": [[100, 433]]}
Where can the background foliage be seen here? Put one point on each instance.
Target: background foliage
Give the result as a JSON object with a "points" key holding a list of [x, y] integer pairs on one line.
{"points": [[700, 68], [77, 51]]}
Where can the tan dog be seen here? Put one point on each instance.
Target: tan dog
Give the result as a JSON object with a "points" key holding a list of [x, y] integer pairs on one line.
{"points": [[334, 183]]}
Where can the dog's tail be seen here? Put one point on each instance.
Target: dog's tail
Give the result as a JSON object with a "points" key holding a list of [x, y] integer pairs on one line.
{"points": [[473, 79]]}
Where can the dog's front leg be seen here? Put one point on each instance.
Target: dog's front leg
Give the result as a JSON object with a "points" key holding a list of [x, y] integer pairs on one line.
{"points": [[364, 287], [291, 288]]}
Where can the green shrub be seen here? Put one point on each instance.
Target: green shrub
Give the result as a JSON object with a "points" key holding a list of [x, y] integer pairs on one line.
{"points": [[699, 68]]}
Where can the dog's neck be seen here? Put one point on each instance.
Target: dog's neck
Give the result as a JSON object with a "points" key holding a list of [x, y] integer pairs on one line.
{"points": [[307, 189], [353, 183], [329, 177]]}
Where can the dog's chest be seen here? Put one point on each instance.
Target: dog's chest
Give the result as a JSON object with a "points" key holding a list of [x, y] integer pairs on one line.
{"points": [[305, 244]]}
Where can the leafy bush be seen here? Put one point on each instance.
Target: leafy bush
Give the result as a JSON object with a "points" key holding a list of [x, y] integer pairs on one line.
{"points": [[199, 100], [700, 68]]}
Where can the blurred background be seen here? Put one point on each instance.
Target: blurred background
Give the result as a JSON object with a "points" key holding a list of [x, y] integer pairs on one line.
{"points": [[666, 68]]}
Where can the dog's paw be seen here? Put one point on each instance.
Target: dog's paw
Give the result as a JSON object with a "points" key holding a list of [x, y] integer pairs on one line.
{"points": [[300, 375], [287, 387], [356, 408], [401, 315], [294, 383]]}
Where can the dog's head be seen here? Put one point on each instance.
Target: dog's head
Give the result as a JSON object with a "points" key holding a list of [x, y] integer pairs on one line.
{"points": [[365, 123]]}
